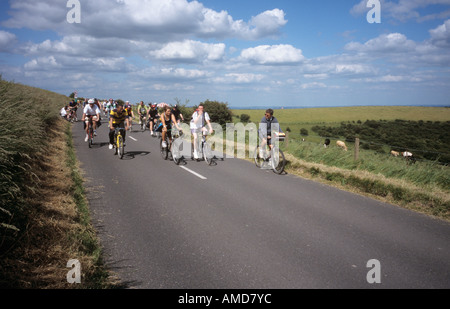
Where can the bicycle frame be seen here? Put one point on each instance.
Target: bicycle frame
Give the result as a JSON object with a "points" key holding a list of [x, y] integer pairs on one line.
{"points": [[119, 141], [90, 132]]}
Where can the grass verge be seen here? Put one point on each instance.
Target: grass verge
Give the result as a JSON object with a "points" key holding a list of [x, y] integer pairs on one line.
{"points": [[58, 226]]}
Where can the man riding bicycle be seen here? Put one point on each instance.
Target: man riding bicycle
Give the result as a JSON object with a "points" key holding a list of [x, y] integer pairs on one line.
{"points": [[73, 107], [91, 112], [177, 113], [142, 111], [110, 106], [265, 129], [117, 119], [198, 125], [152, 116]]}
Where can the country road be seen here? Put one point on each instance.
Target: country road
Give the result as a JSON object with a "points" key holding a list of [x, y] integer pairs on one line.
{"points": [[234, 226]]}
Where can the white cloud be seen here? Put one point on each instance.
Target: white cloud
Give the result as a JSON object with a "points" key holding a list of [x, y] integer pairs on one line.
{"points": [[314, 85], [441, 35], [149, 20], [7, 41], [244, 78], [273, 55], [190, 51], [391, 79], [386, 43]]}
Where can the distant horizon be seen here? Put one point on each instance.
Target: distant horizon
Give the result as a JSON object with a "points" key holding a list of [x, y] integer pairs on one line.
{"points": [[332, 106]]}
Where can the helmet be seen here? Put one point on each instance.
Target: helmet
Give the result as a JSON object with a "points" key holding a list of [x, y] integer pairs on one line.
{"points": [[91, 101], [153, 105]]}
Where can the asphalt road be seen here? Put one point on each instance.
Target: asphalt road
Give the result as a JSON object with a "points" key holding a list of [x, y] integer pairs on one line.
{"points": [[234, 226]]}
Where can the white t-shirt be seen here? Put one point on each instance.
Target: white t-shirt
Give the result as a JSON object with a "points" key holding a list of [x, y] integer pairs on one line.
{"points": [[63, 112], [200, 123], [91, 111]]}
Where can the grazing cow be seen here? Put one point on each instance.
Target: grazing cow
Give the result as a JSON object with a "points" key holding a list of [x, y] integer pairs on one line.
{"points": [[327, 143], [395, 153], [409, 157], [342, 145]]}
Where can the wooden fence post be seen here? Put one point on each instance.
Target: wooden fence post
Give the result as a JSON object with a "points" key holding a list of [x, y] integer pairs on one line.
{"points": [[356, 149]]}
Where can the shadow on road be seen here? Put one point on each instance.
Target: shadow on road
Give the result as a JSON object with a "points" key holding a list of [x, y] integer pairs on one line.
{"points": [[133, 154]]}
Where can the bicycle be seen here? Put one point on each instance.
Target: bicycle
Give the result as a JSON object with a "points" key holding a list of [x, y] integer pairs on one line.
{"points": [[119, 134], [205, 149], [173, 147], [156, 127], [273, 159], [90, 132], [143, 123], [72, 116]]}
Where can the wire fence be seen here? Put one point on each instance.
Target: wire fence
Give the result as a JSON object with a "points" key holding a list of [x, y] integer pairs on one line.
{"points": [[377, 143]]}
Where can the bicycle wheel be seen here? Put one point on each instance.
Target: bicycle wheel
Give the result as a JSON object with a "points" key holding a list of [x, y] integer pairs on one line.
{"points": [[164, 151], [258, 159], [176, 152], [120, 147], [278, 161], [207, 153], [91, 136]]}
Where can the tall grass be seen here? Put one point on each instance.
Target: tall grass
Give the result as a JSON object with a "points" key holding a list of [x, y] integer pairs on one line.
{"points": [[25, 115]]}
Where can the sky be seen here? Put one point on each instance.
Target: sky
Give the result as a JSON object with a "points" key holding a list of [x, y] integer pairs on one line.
{"points": [[247, 53]]}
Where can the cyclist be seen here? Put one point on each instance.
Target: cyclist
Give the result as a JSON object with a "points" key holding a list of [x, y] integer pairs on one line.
{"points": [[104, 107], [265, 130], [168, 120], [73, 107], [130, 114], [142, 111], [117, 119], [198, 125], [152, 115], [85, 103], [110, 106], [91, 111], [178, 116]]}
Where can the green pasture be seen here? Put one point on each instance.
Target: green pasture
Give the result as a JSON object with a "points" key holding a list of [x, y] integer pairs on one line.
{"points": [[297, 119], [363, 113]]}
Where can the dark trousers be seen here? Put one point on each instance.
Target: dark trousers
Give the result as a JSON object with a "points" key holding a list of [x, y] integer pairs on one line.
{"points": [[112, 132]]}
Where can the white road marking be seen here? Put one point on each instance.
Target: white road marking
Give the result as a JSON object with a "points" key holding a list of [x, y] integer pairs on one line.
{"points": [[133, 139], [194, 173]]}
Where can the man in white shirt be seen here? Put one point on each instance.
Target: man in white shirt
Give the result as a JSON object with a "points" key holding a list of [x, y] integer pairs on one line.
{"points": [[91, 111], [198, 125], [63, 112]]}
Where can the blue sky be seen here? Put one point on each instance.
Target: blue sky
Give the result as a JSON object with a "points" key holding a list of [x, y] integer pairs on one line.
{"points": [[246, 53]]}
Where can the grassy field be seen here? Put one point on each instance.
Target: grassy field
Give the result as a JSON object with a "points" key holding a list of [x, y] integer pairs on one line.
{"points": [[424, 186], [363, 113], [297, 119]]}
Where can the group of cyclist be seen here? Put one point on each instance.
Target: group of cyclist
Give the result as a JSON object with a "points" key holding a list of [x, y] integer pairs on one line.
{"points": [[120, 116]]}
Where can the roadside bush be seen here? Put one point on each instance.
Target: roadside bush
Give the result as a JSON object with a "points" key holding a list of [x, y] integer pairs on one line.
{"points": [[218, 111]]}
